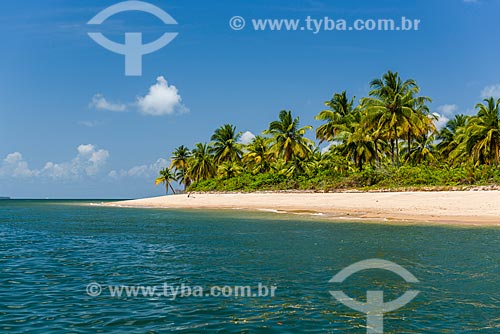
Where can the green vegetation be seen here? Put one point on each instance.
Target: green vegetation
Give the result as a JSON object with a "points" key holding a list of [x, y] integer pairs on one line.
{"points": [[387, 140]]}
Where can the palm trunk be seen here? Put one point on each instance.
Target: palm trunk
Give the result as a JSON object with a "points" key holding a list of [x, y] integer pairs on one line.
{"points": [[392, 151], [409, 145], [397, 145], [397, 152]]}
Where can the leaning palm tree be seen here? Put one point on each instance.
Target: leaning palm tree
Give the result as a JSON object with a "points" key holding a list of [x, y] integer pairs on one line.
{"points": [[201, 164], [225, 146], [166, 177], [336, 117], [483, 133], [288, 141]]}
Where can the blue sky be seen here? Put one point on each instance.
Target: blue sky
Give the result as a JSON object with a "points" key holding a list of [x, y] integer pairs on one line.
{"points": [[73, 125]]}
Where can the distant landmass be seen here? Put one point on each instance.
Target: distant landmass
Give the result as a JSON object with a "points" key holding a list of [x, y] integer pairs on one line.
{"points": [[1, 198]]}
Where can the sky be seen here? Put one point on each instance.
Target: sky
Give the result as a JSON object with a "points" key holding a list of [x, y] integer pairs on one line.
{"points": [[73, 125]]}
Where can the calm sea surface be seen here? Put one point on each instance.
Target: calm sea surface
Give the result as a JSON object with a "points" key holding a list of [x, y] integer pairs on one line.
{"points": [[50, 251]]}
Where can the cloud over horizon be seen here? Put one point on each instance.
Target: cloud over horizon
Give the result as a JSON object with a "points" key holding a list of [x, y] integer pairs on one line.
{"points": [[145, 171], [87, 163]]}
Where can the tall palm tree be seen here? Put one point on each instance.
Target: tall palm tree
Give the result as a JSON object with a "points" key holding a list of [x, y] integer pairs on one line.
{"points": [[483, 132], [179, 162], [166, 177], [225, 146], [336, 117], [288, 141], [201, 165], [392, 101]]}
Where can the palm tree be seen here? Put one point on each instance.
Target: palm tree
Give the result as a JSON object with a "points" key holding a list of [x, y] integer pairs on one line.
{"points": [[179, 162], [483, 133], [201, 165], [336, 117], [225, 146], [180, 157], [392, 102], [421, 124], [229, 169], [449, 136], [258, 156], [166, 177], [359, 143], [423, 149], [288, 141], [182, 177]]}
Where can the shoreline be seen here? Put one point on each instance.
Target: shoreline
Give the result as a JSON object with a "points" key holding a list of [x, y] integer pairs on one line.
{"points": [[474, 208]]}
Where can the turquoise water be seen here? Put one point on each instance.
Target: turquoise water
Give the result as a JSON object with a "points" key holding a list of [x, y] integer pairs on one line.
{"points": [[51, 250]]}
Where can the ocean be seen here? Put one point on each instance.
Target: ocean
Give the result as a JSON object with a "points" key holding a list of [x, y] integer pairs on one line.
{"points": [[73, 267]]}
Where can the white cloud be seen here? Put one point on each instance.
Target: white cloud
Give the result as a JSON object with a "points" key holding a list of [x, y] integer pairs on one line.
{"points": [[491, 91], [246, 137], [14, 165], [441, 120], [141, 171], [447, 109], [162, 99], [88, 162], [99, 102]]}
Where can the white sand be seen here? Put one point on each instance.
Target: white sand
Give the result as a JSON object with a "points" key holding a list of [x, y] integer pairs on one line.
{"points": [[457, 207]]}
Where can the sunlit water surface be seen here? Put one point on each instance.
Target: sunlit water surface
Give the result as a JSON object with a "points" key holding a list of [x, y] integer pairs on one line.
{"points": [[51, 250]]}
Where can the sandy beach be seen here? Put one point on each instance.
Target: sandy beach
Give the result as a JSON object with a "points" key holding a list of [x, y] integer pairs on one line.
{"points": [[453, 207]]}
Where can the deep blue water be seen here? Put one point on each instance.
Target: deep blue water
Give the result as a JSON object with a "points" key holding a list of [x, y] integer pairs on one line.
{"points": [[51, 250]]}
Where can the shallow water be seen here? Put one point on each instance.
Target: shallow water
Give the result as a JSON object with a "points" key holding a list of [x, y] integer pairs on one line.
{"points": [[51, 250]]}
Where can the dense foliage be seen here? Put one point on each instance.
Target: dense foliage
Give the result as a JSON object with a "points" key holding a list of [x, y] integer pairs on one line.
{"points": [[385, 140]]}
